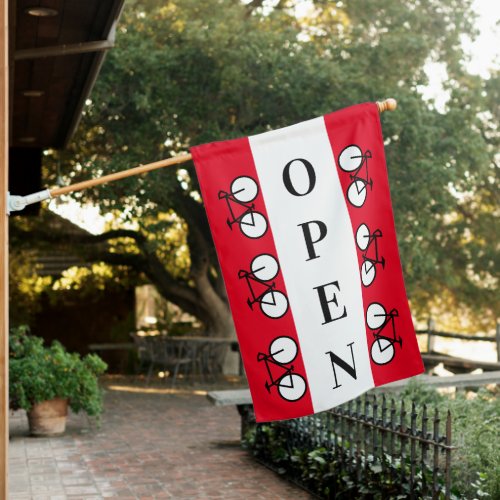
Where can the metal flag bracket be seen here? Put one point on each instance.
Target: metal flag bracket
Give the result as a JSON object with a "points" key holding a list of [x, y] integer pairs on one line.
{"points": [[16, 203]]}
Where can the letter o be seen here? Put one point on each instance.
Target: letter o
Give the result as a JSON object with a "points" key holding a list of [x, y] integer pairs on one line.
{"points": [[311, 174]]}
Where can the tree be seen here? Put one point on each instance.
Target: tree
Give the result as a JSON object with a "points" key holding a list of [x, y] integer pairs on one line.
{"points": [[187, 72]]}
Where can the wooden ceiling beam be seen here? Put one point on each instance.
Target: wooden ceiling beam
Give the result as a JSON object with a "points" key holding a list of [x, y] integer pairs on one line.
{"points": [[47, 104], [64, 50]]}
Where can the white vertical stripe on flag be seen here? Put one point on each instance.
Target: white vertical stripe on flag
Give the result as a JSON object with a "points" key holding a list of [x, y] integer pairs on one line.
{"points": [[336, 261]]}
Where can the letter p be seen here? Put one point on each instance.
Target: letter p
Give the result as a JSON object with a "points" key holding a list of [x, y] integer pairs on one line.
{"points": [[319, 234]]}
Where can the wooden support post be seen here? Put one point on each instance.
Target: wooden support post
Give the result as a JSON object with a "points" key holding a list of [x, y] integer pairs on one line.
{"points": [[498, 341], [431, 326], [4, 248]]}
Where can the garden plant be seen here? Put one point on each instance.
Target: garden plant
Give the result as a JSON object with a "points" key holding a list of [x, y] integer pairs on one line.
{"points": [[331, 472], [39, 373]]}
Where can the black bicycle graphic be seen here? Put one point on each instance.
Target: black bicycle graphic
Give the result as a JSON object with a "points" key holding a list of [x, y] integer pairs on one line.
{"points": [[264, 268], [352, 159], [282, 351], [368, 243], [382, 350], [242, 212]]}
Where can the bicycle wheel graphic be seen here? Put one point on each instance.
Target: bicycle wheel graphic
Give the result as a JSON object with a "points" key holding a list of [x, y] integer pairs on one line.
{"points": [[253, 225], [264, 267], [283, 350], [375, 315], [382, 351], [368, 272], [244, 189], [363, 237], [274, 304], [292, 386], [356, 193], [350, 158]]}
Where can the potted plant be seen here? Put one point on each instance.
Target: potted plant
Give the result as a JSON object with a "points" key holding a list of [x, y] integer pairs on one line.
{"points": [[45, 380]]}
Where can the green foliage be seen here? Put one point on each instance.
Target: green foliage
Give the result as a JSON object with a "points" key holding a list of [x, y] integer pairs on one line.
{"points": [[189, 72], [38, 373], [29, 292], [421, 394], [332, 473], [475, 464], [25, 286], [475, 434]]}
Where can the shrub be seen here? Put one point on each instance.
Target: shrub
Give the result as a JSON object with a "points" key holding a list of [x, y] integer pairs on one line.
{"points": [[475, 464], [476, 433], [38, 373]]}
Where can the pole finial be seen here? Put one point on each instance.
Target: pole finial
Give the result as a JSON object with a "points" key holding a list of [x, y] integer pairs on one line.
{"points": [[387, 105]]}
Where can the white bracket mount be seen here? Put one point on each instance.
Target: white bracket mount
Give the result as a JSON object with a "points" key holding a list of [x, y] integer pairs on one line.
{"points": [[16, 203]]}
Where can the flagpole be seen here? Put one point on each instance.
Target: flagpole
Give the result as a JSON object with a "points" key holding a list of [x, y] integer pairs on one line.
{"points": [[176, 160], [19, 202]]}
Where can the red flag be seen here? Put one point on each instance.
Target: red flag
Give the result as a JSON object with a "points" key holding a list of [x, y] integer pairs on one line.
{"points": [[303, 226]]}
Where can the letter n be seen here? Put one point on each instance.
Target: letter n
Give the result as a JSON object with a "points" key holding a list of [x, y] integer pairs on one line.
{"points": [[338, 361]]}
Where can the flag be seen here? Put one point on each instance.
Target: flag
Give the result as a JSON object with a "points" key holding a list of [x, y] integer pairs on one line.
{"points": [[302, 222]]}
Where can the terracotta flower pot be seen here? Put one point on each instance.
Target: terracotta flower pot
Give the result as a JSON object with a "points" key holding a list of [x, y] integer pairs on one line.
{"points": [[48, 417]]}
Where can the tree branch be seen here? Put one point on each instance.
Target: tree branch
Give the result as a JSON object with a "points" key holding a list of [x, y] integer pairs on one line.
{"points": [[135, 261], [118, 233], [172, 289]]}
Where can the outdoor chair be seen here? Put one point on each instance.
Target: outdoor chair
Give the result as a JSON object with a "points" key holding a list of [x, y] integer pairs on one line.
{"points": [[157, 351], [175, 356], [193, 351], [142, 349], [212, 359]]}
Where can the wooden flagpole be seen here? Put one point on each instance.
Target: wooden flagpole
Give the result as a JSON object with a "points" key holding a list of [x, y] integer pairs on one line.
{"points": [[387, 105], [120, 175]]}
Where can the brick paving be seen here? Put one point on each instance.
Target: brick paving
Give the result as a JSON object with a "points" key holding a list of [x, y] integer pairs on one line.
{"points": [[163, 444]]}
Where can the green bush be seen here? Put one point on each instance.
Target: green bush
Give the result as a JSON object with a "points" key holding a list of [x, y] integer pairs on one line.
{"points": [[332, 473], [475, 464], [38, 373], [476, 434]]}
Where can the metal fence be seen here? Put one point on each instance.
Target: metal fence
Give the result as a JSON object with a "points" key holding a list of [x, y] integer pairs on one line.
{"points": [[371, 440]]}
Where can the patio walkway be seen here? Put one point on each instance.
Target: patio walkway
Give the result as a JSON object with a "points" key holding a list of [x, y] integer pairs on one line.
{"points": [[150, 445]]}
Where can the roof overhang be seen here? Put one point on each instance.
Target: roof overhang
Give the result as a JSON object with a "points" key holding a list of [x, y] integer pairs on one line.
{"points": [[57, 48]]}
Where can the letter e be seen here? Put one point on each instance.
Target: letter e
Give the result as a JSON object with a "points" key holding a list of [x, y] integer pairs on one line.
{"points": [[324, 301]]}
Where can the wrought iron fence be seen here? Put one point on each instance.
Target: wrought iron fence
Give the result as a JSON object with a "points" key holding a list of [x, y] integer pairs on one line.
{"points": [[367, 443]]}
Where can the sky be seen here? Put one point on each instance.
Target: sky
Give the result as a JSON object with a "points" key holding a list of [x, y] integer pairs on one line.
{"points": [[486, 47], [484, 52]]}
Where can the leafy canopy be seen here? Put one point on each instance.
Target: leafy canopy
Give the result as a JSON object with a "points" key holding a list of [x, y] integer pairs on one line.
{"points": [[186, 72]]}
